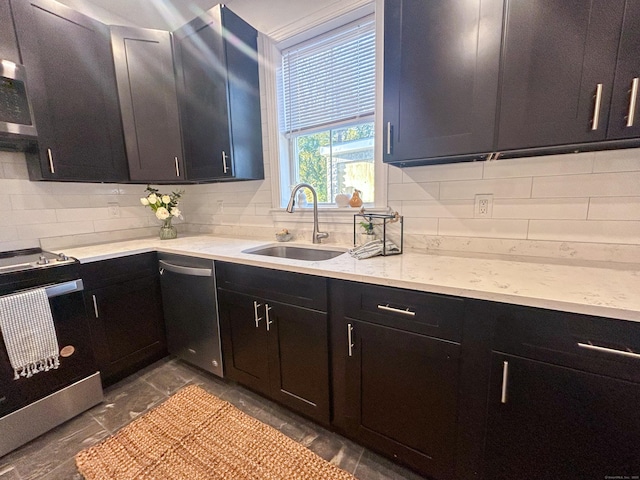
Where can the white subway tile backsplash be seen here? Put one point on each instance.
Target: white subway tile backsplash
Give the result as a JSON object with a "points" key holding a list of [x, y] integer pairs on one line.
{"points": [[594, 231], [395, 174], [45, 230], [413, 191], [125, 223], [593, 185], [437, 209], [438, 173], [78, 214], [541, 208], [572, 163], [614, 208], [475, 227], [29, 217], [499, 188]]}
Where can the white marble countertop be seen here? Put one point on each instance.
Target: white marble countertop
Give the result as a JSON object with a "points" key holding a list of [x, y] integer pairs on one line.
{"points": [[603, 290]]}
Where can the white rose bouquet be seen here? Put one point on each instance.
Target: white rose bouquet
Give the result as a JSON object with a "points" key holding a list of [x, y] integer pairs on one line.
{"points": [[164, 206]]}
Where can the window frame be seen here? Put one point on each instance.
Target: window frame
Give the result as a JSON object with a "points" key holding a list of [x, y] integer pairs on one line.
{"points": [[270, 46]]}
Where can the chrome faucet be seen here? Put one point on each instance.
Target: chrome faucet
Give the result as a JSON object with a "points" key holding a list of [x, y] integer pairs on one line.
{"points": [[317, 235]]}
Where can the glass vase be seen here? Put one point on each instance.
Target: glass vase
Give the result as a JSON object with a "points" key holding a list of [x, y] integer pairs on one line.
{"points": [[168, 231]]}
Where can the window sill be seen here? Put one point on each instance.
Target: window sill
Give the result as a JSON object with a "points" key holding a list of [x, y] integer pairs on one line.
{"points": [[331, 214]]}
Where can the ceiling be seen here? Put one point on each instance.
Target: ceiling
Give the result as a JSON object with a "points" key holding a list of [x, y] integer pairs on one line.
{"points": [[265, 15]]}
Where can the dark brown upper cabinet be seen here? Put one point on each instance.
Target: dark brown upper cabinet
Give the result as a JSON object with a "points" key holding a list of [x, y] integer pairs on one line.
{"points": [[441, 63], [217, 75], [624, 118], [143, 61], [73, 93], [559, 60], [8, 42]]}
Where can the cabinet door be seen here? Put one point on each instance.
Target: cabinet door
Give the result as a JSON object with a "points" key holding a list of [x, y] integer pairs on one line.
{"points": [[8, 41], [299, 359], [402, 390], [127, 326], [441, 61], [555, 422], [244, 339], [624, 120], [202, 81], [220, 97], [148, 102], [73, 93], [556, 54]]}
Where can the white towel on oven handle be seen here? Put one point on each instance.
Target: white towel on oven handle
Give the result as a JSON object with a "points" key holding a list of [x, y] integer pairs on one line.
{"points": [[29, 334]]}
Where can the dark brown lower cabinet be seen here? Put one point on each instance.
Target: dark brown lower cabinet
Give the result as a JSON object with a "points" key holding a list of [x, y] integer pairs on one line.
{"points": [[548, 421], [276, 348], [396, 383], [123, 301]]}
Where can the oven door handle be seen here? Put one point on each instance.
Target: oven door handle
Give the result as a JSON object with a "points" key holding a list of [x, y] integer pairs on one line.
{"points": [[64, 288]]}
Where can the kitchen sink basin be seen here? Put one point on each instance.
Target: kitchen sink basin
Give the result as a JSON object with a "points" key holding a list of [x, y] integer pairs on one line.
{"points": [[296, 252]]}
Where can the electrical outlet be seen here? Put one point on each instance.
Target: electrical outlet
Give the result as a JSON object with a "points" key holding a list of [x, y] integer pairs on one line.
{"points": [[114, 210], [220, 206], [483, 206]]}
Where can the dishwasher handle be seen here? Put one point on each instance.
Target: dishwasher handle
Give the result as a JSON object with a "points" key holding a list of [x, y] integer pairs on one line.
{"points": [[193, 271]]}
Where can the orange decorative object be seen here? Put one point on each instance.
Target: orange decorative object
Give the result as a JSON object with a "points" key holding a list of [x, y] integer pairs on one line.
{"points": [[355, 201]]}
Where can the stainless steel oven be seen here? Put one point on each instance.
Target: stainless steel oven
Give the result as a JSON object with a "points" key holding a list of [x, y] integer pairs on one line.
{"points": [[31, 406]]}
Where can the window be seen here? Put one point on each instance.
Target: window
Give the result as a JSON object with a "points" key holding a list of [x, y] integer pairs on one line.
{"points": [[326, 111]]}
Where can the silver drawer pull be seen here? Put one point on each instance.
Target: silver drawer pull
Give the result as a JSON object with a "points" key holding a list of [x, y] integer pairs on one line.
{"points": [[266, 312], [505, 379], [50, 157], [225, 168], [177, 166], [256, 305], [387, 308], [633, 99], [388, 138], [95, 306], [596, 108], [598, 348], [350, 338]]}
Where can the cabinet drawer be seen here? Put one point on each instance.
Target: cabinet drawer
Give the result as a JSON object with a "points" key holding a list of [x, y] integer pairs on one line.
{"points": [[287, 287], [595, 344], [434, 315], [117, 270]]}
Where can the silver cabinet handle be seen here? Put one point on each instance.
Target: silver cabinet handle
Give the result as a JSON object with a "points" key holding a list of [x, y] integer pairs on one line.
{"points": [[632, 102], [95, 306], [182, 270], [598, 348], [388, 138], [266, 312], [65, 288], [177, 167], [256, 305], [350, 338], [50, 156], [596, 108], [387, 308], [224, 162], [505, 379]]}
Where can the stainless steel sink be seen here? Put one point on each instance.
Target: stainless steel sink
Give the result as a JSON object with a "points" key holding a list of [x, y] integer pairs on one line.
{"points": [[295, 252]]}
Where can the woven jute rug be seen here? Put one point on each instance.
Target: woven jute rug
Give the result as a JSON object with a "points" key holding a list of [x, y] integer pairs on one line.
{"points": [[194, 435]]}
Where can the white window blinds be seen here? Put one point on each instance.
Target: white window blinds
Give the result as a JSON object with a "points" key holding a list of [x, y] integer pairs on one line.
{"points": [[330, 78]]}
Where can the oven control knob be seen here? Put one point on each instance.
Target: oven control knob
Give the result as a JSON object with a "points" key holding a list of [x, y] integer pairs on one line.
{"points": [[62, 257], [42, 260]]}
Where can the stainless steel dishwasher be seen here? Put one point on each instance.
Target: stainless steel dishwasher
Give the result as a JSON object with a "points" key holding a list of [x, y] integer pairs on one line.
{"points": [[191, 310]]}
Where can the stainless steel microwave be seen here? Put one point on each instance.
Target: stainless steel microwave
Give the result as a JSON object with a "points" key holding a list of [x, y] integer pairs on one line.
{"points": [[16, 115]]}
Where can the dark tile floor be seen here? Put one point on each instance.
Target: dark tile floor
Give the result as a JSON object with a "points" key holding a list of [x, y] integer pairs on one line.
{"points": [[50, 457]]}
